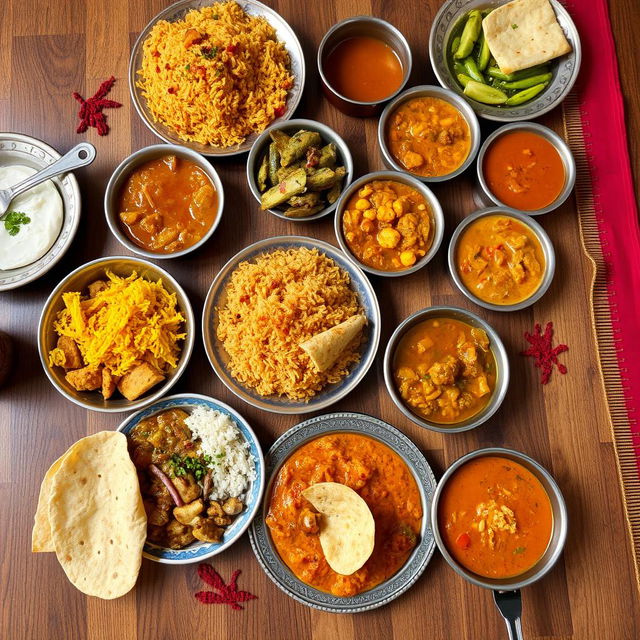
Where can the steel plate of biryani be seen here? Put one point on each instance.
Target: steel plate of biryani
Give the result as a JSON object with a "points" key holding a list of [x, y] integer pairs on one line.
{"points": [[216, 76], [290, 323]]}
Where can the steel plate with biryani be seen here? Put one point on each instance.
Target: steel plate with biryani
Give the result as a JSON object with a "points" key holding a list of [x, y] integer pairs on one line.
{"points": [[344, 525], [201, 476]]}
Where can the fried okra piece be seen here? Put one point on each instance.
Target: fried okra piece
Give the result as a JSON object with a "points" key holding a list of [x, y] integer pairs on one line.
{"points": [[291, 186], [297, 146], [328, 156], [263, 173]]}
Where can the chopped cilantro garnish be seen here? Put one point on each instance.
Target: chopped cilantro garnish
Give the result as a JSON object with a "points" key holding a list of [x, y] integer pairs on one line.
{"points": [[209, 53], [180, 466], [13, 220], [514, 26], [187, 67], [519, 550]]}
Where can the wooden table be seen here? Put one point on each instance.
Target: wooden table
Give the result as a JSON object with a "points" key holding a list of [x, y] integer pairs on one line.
{"points": [[53, 48]]}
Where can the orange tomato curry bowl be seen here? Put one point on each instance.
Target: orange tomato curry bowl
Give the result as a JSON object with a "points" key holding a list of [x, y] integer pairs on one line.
{"points": [[379, 476], [495, 517]]}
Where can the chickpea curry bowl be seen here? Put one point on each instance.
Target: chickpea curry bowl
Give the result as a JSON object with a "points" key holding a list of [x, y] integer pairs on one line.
{"points": [[446, 369], [200, 472], [390, 223]]}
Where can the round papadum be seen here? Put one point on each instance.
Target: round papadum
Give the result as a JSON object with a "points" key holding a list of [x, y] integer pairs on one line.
{"points": [[347, 527], [41, 541], [98, 523]]}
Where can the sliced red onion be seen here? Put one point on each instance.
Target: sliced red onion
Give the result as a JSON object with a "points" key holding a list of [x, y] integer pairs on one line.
{"points": [[167, 483], [206, 486]]}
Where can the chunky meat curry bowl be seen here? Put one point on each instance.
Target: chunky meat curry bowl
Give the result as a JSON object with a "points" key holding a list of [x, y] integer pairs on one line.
{"points": [[446, 369], [388, 472], [170, 436]]}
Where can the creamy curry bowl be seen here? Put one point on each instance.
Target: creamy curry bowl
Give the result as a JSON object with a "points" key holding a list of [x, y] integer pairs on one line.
{"points": [[446, 369], [501, 259]]}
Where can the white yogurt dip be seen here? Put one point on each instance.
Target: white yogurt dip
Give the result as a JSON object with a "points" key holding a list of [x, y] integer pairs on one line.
{"points": [[43, 205]]}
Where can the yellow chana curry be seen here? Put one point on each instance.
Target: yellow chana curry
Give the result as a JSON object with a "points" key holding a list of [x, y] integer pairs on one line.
{"points": [[500, 260], [388, 225], [444, 370], [428, 137]]}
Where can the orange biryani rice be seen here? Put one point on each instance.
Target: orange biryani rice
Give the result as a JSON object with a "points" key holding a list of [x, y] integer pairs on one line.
{"points": [[273, 304], [216, 76]]}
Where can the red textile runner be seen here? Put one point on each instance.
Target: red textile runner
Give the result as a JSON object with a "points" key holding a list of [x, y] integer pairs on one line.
{"points": [[602, 112]]}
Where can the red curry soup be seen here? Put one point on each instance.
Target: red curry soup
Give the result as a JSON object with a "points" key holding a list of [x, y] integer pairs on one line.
{"points": [[495, 517], [382, 480], [524, 170]]}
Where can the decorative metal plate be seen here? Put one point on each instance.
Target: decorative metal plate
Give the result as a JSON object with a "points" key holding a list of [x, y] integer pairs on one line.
{"points": [[260, 537], [16, 148], [176, 12]]}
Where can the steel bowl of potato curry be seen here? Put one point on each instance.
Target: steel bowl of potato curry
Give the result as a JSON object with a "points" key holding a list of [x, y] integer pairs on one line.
{"points": [[446, 369]]}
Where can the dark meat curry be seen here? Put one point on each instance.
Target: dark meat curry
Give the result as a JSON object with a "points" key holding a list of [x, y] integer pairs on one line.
{"points": [[444, 370], [176, 484]]}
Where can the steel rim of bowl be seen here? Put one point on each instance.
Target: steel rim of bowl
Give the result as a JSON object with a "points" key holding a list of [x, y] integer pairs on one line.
{"points": [[306, 599], [76, 198], [130, 164], [386, 25], [503, 115], [237, 388], [260, 468], [425, 192], [186, 4], [185, 352], [328, 133], [562, 524], [543, 239], [454, 100], [497, 348], [550, 136]]}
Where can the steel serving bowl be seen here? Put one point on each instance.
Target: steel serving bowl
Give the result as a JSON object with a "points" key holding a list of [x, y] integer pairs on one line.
{"points": [[543, 239], [497, 349], [261, 145], [565, 69], [16, 148], [551, 136], [177, 11], [331, 393], [266, 552], [78, 280], [122, 173], [362, 26], [199, 551], [425, 192], [429, 91], [558, 534]]}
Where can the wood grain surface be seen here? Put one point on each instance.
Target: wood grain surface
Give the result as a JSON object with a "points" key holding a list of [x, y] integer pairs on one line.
{"points": [[53, 47]]}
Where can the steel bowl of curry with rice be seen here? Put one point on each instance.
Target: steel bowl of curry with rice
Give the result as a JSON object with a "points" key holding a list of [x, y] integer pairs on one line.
{"points": [[430, 133], [344, 525], [116, 334], [446, 369], [390, 223], [501, 259]]}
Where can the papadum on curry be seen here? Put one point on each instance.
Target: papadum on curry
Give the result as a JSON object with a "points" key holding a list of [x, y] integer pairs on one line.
{"points": [[345, 513]]}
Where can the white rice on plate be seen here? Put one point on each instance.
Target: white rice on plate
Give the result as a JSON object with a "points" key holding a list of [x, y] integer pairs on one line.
{"points": [[234, 467]]}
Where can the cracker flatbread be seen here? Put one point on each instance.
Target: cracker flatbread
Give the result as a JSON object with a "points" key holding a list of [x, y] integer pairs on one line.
{"points": [[524, 33], [41, 541]]}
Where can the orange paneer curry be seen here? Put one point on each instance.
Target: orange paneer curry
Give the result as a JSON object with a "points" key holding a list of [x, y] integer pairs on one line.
{"points": [[500, 260], [495, 517], [382, 480], [444, 370]]}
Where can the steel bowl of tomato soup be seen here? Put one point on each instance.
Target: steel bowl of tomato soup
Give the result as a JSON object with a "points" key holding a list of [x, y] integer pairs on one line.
{"points": [[363, 62], [526, 166], [501, 259], [429, 132], [345, 523], [164, 201], [446, 369], [499, 519]]}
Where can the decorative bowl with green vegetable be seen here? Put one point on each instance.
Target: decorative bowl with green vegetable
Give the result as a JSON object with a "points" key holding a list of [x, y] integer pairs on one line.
{"points": [[463, 62], [297, 170]]}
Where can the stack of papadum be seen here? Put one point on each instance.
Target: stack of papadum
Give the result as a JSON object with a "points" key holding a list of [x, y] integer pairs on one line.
{"points": [[90, 513]]}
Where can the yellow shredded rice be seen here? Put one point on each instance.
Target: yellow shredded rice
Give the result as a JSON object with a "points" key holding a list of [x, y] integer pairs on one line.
{"points": [[130, 321], [216, 76], [273, 304]]}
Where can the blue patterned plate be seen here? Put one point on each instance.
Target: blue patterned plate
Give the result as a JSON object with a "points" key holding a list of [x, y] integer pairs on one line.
{"points": [[331, 393], [260, 537], [196, 552]]}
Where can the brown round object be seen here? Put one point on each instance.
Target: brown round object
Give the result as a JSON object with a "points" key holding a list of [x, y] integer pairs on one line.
{"points": [[6, 356]]}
